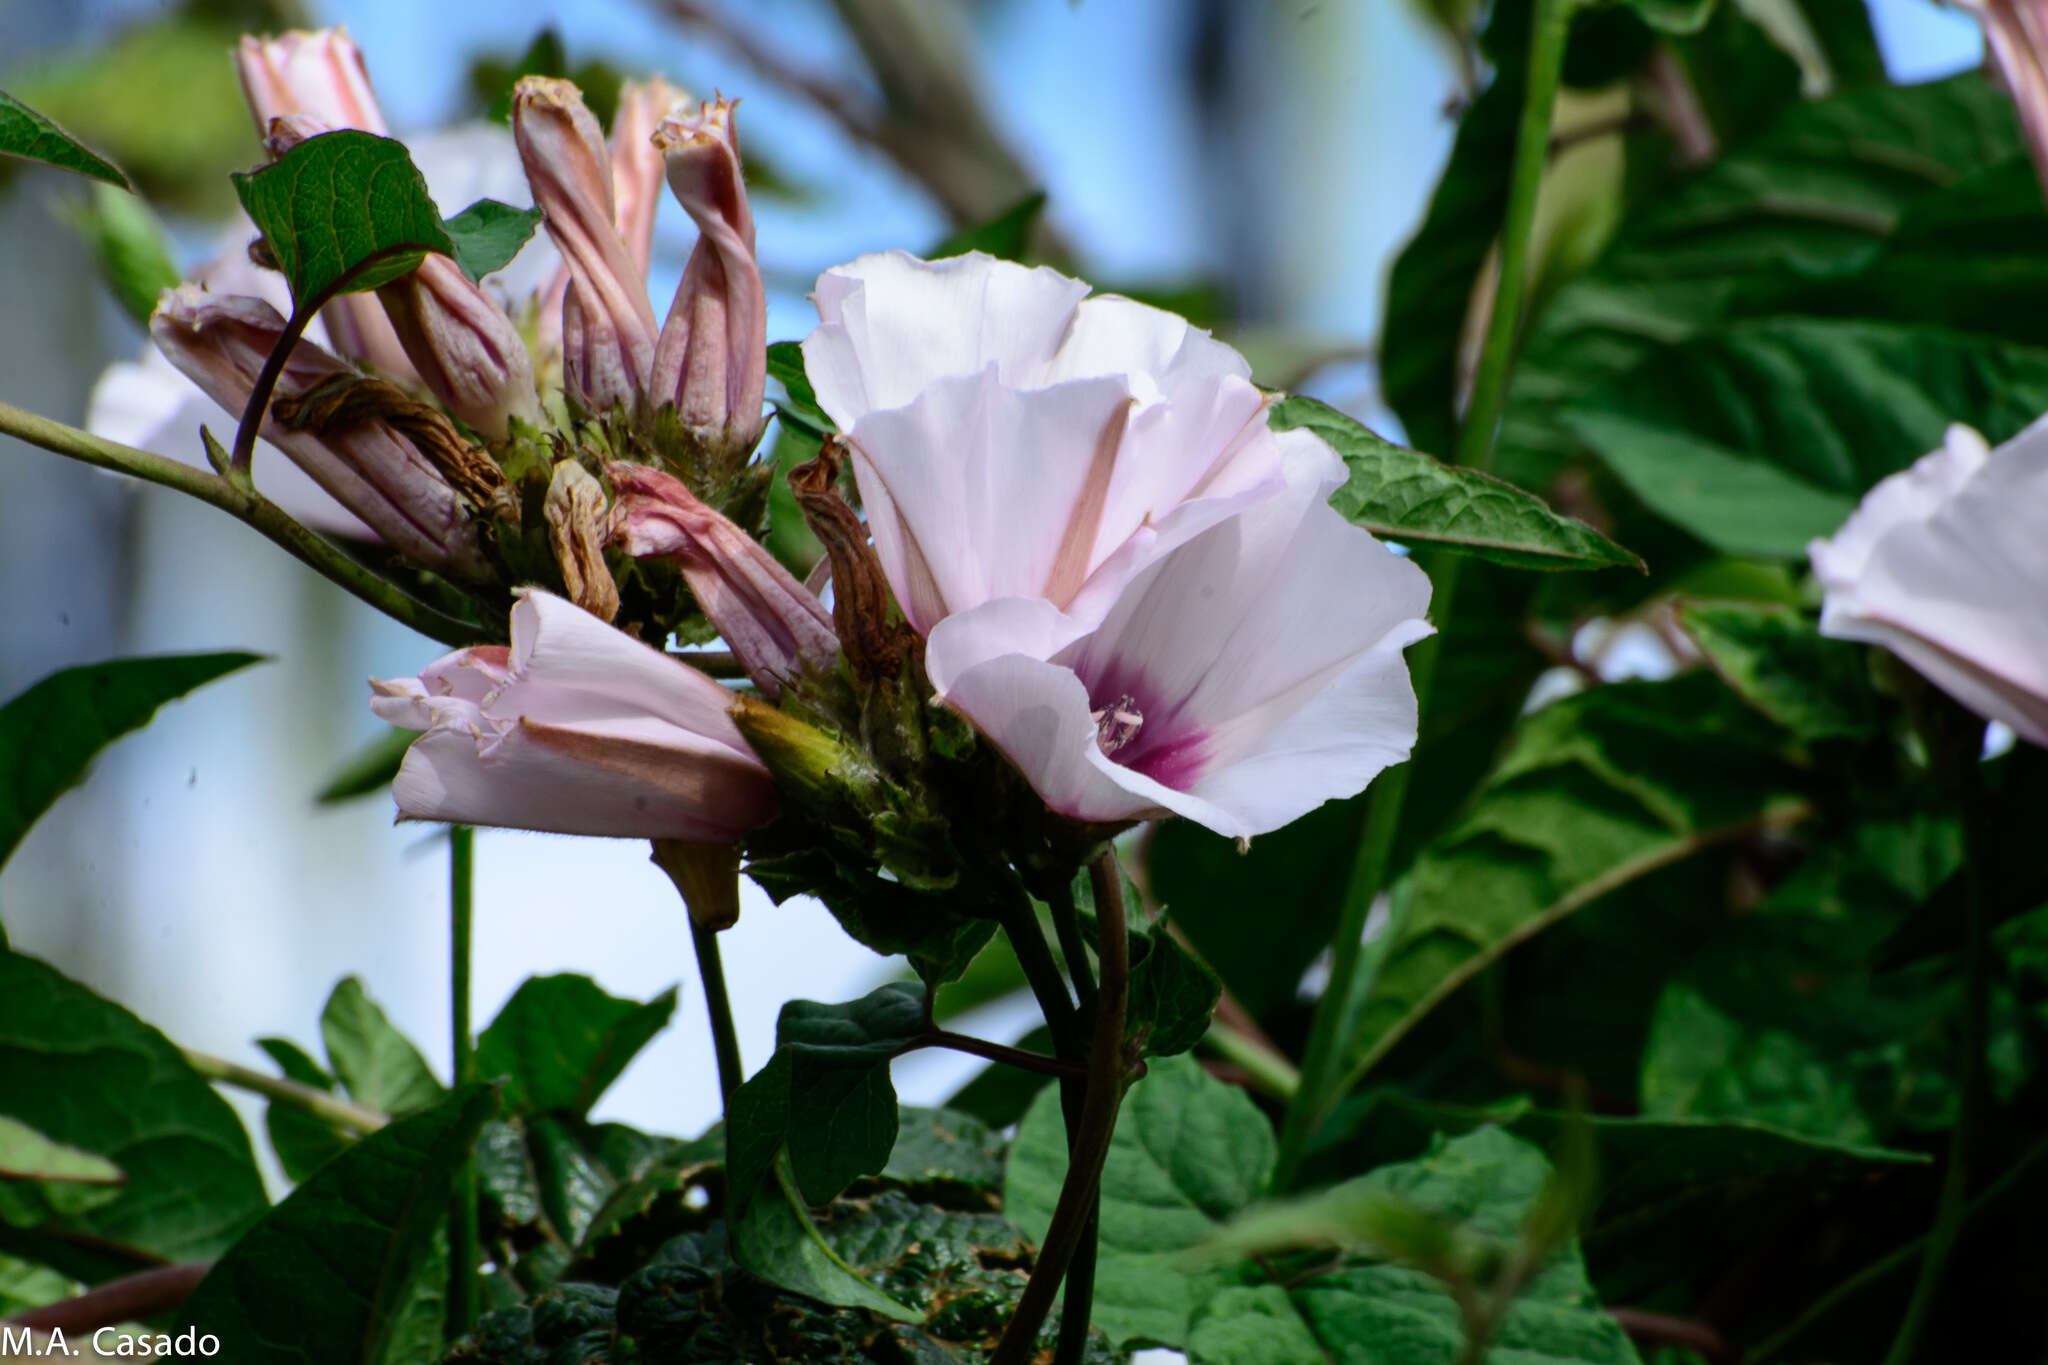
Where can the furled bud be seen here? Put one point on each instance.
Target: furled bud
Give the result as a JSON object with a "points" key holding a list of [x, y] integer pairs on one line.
{"points": [[776, 626], [221, 342], [577, 514], [712, 359], [465, 348], [320, 73], [608, 329]]}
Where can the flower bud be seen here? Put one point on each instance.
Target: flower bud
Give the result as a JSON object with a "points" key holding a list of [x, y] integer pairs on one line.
{"points": [[465, 348], [775, 625], [2016, 31], [320, 73], [712, 358], [220, 343], [815, 767], [608, 329]]}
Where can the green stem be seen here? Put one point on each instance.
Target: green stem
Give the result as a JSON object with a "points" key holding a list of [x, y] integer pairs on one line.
{"points": [[1321, 1072], [1066, 922], [725, 1039], [1076, 1211], [252, 508], [332, 1110], [1954, 1204], [1041, 973], [1018, 1057], [463, 1289], [1268, 1071]]}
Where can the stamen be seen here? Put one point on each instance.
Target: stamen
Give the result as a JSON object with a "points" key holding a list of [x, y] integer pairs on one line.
{"points": [[1118, 723]]}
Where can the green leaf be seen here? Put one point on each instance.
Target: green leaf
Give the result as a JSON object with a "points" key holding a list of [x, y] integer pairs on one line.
{"points": [[371, 769], [303, 1143], [488, 234], [25, 133], [1777, 660], [1189, 1153], [343, 202], [129, 244], [26, 1154], [1252, 1325], [1762, 435], [1005, 236], [774, 1237], [1405, 495], [50, 733], [24, 1286], [379, 1065], [825, 1096], [1674, 16], [786, 367], [944, 1148], [1490, 1184], [1172, 994], [561, 1041], [1595, 791], [329, 1277], [86, 1073]]}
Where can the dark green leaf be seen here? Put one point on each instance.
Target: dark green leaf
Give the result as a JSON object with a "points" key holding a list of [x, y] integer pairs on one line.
{"points": [[786, 367], [371, 769], [1596, 790], [343, 211], [378, 1064], [1189, 1153], [560, 1042], [1778, 662], [129, 245], [825, 1096], [86, 1073], [303, 1143], [25, 133], [1407, 496], [1489, 1183], [1252, 1325], [26, 1154], [1005, 236], [50, 733], [942, 1147], [1172, 994], [774, 1237], [332, 1275], [488, 234], [1762, 435]]}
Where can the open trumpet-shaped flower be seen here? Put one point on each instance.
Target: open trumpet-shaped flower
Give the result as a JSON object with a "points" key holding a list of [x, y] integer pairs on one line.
{"points": [[576, 728], [1240, 680], [1944, 564], [1013, 437]]}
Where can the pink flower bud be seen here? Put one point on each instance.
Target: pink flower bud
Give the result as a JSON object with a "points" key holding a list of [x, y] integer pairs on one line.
{"points": [[465, 348], [712, 359], [2016, 31], [777, 627], [220, 343], [608, 330], [577, 728], [320, 73]]}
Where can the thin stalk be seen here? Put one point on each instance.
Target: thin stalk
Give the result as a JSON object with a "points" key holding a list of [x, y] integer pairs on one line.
{"points": [[1321, 1071], [725, 1039], [1268, 1071], [1018, 1057], [247, 506], [1074, 1214], [332, 1110], [132, 1298], [1041, 973], [1954, 1204], [463, 1290], [1066, 922]]}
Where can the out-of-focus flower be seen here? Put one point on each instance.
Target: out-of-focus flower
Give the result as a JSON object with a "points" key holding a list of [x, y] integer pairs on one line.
{"points": [[776, 626], [712, 356], [576, 728], [1241, 679], [2016, 31], [1945, 565], [608, 330], [220, 344], [1013, 437]]}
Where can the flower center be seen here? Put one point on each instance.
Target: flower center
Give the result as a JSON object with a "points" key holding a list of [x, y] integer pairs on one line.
{"points": [[1118, 723]]}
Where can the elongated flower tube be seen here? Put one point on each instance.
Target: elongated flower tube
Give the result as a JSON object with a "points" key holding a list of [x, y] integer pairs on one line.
{"points": [[576, 728], [220, 344], [320, 75], [1013, 437], [776, 626], [712, 356], [1945, 565], [636, 192], [1240, 680], [608, 329], [462, 345]]}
